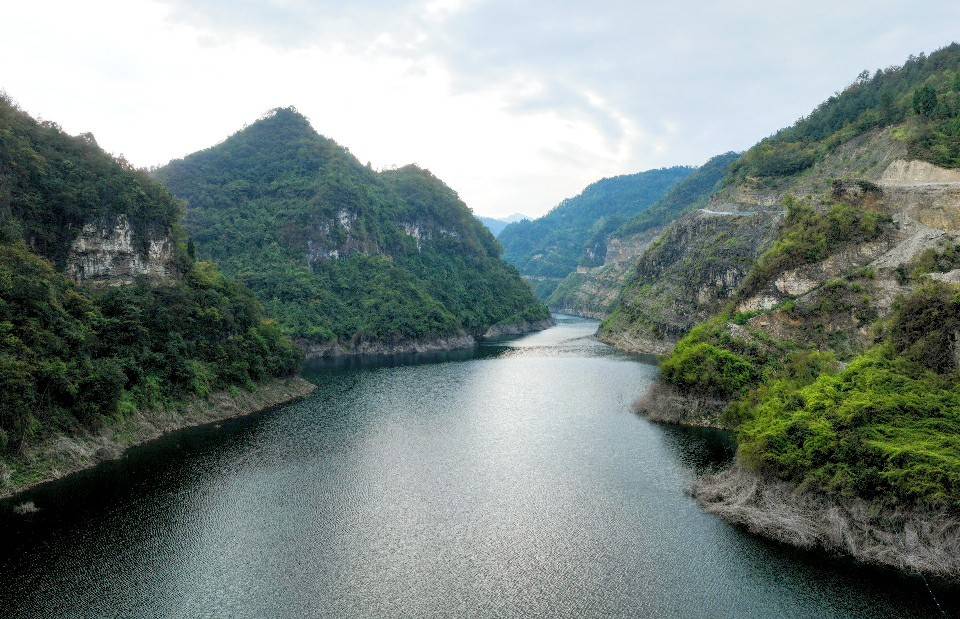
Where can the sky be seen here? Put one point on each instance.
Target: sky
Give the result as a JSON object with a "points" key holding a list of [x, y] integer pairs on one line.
{"points": [[516, 105]]}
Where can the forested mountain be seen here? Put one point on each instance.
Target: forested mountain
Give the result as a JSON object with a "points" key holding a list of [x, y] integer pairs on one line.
{"points": [[344, 256], [594, 291], [104, 314], [692, 192], [828, 271], [553, 245]]}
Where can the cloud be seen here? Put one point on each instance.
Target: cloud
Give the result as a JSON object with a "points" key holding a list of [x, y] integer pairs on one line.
{"points": [[515, 104]]}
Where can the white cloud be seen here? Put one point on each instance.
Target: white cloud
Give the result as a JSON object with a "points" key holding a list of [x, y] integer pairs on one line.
{"points": [[515, 105]]}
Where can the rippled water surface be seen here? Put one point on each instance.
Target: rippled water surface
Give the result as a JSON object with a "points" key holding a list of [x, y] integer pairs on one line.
{"points": [[510, 481]]}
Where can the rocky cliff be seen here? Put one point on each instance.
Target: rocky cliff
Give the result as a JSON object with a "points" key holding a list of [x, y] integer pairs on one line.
{"points": [[834, 300], [687, 275], [594, 291], [830, 339], [106, 253], [150, 339]]}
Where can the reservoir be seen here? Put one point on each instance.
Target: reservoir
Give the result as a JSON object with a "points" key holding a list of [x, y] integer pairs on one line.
{"points": [[509, 481]]}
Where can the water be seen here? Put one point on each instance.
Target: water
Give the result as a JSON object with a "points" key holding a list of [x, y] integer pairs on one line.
{"points": [[510, 481]]}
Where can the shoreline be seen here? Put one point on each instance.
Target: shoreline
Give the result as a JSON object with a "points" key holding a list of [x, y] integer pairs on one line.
{"points": [[664, 404], [580, 313], [637, 345], [462, 341], [909, 540], [60, 455], [912, 541]]}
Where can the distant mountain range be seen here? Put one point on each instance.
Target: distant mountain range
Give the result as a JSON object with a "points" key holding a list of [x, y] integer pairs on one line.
{"points": [[553, 245], [496, 225]]}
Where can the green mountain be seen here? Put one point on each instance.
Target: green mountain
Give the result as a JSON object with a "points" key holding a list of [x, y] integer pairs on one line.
{"points": [[594, 291], [345, 257], [575, 231], [692, 192], [826, 278], [104, 315]]}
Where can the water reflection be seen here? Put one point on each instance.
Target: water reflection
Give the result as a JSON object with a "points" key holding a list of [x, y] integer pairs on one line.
{"points": [[511, 482]]}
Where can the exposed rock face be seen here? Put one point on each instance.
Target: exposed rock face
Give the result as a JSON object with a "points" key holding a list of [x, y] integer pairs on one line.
{"points": [[665, 404], [901, 172], [834, 300], [593, 292], [687, 275], [911, 540], [519, 328], [106, 253], [950, 277], [330, 350]]}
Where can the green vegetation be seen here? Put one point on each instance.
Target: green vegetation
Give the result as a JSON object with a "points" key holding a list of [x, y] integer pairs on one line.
{"points": [[931, 260], [686, 276], [808, 236], [76, 358], [716, 361], [51, 184], [575, 231], [496, 226], [338, 251], [926, 326], [923, 93], [691, 193], [885, 427]]}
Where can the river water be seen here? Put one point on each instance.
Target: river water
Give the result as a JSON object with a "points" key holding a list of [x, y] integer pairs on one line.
{"points": [[512, 481]]}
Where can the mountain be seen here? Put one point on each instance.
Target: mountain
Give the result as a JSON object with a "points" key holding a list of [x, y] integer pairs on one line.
{"points": [[575, 231], [496, 226], [345, 258], [594, 291], [827, 295], [112, 333]]}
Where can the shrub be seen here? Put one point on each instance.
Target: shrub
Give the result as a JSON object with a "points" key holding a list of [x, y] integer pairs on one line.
{"points": [[925, 327], [709, 370], [807, 236], [73, 357], [883, 429]]}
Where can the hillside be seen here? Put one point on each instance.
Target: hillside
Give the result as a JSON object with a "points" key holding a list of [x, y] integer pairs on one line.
{"points": [[107, 321], [831, 350], [575, 231], [345, 258], [595, 291]]}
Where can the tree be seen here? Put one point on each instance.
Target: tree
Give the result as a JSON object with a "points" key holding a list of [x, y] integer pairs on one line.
{"points": [[925, 100]]}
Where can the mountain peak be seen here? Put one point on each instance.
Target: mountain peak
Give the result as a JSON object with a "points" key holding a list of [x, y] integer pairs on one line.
{"points": [[284, 122]]}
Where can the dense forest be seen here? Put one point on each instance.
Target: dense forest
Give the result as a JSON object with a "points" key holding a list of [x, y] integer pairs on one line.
{"points": [[337, 251], [600, 291], [572, 233], [74, 357], [690, 193], [52, 184]]}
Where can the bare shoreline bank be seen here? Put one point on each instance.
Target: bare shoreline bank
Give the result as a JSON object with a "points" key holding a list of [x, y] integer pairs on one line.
{"points": [[60, 455], [462, 341]]}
